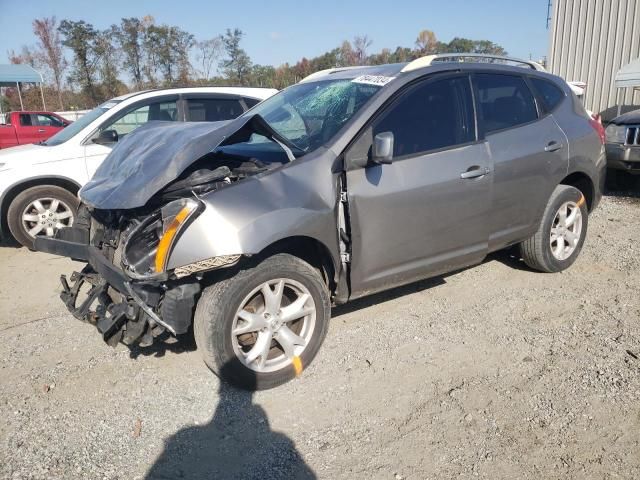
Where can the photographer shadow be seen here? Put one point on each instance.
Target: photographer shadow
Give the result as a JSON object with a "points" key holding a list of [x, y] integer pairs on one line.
{"points": [[238, 443]]}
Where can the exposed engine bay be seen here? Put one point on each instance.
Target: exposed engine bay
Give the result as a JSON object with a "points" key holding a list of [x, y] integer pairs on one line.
{"points": [[124, 290]]}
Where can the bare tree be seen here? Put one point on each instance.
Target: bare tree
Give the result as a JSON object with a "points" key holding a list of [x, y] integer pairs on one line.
{"points": [[25, 56], [360, 45], [50, 52], [208, 55]]}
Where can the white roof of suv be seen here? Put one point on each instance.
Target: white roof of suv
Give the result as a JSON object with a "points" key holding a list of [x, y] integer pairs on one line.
{"points": [[257, 93]]}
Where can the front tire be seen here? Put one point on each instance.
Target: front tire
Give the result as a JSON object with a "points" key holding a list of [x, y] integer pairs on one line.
{"points": [[561, 233], [259, 328], [41, 210]]}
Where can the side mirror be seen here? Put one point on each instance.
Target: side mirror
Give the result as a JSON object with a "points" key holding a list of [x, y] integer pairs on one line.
{"points": [[106, 137], [383, 148]]}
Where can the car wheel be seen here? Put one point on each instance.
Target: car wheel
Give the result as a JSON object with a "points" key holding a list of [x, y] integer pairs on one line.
{"points": [[40, 210], [560, 236], [261, 327]]}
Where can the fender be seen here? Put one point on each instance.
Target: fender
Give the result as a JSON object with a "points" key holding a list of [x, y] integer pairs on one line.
{"points": [[247, 217]]}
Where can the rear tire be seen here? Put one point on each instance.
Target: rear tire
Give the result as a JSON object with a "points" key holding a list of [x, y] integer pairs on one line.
{"points": [[223, 306], [49, 207], [541, 252]]}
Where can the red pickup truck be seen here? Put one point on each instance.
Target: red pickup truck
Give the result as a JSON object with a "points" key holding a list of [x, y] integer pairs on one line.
{"points": [[29, 127]]}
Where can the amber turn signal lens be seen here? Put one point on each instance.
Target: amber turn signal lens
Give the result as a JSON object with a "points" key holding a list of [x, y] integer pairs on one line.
{"points": [[166, 241]]}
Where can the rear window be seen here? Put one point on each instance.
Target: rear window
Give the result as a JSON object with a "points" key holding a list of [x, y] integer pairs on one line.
{"points": [[251, 102], [212, 110], [551, 95], [25, 120], [505, 101]]}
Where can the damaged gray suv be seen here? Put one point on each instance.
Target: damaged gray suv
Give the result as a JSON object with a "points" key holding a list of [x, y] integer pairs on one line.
{"points": [[353, 181]]}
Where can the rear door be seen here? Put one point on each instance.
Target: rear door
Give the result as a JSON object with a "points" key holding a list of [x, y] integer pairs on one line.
{"points": [[529, 152], [426, 212]]}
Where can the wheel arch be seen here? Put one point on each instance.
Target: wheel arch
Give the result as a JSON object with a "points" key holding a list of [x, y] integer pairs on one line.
{"points": [[309, 249], [14, 190], [582, 182]]}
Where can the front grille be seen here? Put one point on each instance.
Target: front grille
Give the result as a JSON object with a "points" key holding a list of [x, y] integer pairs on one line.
{"points": [[632, 136]]}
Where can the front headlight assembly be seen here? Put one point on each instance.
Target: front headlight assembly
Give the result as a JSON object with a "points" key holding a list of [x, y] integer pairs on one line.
{"points": [[175, 216], [148, 244], [616, 133]]}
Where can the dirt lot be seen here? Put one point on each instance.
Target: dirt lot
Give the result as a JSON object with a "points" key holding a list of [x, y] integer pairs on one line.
{"points": [[493, 372]]}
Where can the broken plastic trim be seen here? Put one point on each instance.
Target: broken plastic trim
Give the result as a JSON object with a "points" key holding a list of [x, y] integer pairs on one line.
{"points": [[146, 309]]}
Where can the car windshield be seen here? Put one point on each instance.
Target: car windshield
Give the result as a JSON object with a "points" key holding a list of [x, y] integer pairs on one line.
{"points": [[71, 130], [309, 114]]}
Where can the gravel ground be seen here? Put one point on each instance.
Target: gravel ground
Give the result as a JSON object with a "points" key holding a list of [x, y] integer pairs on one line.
{"points": [[492, 372]]}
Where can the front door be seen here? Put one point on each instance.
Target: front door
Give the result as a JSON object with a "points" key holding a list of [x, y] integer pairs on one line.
{"points": [[48, 125], [426, 212]]}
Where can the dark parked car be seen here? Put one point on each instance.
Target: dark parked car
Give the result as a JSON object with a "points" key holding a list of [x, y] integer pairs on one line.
{"points": [[353, 181], [623, 143]]}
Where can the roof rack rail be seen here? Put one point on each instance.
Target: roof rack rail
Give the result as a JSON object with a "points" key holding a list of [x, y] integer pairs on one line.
{"points": [[327, 71], [475, 57]]}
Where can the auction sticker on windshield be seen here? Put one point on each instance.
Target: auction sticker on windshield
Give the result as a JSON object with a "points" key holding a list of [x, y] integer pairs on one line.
{"points": [[373, 79]]}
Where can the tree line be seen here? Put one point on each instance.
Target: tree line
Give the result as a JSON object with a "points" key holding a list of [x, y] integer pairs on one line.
{"points": [[84, 66]]}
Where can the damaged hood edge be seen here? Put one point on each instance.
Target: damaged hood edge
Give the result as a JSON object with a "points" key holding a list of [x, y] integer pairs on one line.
{"points": [[154, 155]]}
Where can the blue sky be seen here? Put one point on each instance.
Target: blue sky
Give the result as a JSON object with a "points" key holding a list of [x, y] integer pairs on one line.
{"points": [[286, 30]]}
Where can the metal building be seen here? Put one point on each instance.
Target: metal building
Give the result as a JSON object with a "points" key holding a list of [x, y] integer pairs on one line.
{"points": [[590, 41]]}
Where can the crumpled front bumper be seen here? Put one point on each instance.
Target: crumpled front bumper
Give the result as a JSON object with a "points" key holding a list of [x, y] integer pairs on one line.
{"points": [[122, 308]]}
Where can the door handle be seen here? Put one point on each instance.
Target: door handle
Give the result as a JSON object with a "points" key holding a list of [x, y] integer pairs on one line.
{"points": [[553, 146], [475, 172], [41, 130]]}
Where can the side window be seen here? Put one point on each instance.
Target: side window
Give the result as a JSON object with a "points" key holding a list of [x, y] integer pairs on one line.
{"points": [[126, 123], [504, 101], [429, 116], [212, 109], [25, 120], [550, 93], [48, 121]]}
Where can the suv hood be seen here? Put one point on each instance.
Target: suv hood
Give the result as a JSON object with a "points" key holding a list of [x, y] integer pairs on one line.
{"points": [[632, 117], [30, 154], [155, 154]]}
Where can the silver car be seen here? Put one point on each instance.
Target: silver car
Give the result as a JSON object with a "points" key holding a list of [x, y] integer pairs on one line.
{"points": [[353, 181]]}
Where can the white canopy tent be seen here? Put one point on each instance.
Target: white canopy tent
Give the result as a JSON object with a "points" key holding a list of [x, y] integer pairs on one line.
{"points": [[628, 77], [13, 75]]}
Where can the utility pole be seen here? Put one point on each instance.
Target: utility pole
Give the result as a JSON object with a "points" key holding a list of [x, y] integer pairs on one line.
{"points": [[549, 13]]}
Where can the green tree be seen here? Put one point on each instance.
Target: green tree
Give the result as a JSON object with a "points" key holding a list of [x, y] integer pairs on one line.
{"points": [[460, 45], [80, 37], [237, 65], [129, 36], [485, 46], [168, 50], [108, 67]]}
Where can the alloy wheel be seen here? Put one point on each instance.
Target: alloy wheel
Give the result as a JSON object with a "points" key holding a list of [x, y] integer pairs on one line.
{"points": [[45, 216], [273, 325], [566, 230]]}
